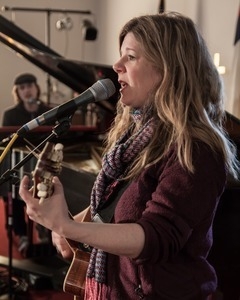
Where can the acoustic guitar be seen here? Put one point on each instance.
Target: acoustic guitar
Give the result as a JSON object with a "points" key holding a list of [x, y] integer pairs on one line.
{"points": [[49, 164]]}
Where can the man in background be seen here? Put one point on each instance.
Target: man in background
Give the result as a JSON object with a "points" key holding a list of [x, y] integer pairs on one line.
{"points": [[26, 94]]}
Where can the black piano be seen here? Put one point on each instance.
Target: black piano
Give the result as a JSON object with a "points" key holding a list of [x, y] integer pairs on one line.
{"points": [[225, 253], [82, 142]]}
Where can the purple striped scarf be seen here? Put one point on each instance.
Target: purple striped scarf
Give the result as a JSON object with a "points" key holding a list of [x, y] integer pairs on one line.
{"points": [[114, 166]]}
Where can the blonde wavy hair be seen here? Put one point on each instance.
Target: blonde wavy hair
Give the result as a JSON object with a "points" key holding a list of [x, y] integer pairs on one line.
{"points": [[187, 104]]}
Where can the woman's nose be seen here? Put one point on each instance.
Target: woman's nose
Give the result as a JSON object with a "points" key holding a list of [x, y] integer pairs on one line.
{"points": [[118, 67]]}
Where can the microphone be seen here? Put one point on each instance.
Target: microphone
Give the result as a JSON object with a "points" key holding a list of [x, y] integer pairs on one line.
{"points": [[100, 90]]}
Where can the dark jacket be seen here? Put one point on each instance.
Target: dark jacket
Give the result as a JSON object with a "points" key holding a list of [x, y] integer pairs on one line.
{"points": [[176, 211], [18, 115]]}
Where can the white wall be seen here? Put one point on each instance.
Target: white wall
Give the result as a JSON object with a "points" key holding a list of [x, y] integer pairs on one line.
{"points": [[67, 43], [215, 18]]}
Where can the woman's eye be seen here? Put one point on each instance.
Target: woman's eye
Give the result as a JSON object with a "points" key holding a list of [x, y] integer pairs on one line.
{"points": [[130, 57]]}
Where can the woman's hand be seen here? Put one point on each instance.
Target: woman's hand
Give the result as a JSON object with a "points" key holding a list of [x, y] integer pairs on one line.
{"points": [[61, 245], [119, 239], [52, 213]]}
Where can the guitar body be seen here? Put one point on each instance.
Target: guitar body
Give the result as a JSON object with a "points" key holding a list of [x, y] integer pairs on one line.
{"points": [[74, 282], [49, 165]]}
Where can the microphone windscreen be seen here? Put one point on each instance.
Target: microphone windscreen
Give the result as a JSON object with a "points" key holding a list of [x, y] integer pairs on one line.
{"points": [[103, 89]]}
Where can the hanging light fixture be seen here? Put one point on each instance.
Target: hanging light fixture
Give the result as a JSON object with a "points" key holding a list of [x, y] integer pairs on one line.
{"points": [[64, 23]]}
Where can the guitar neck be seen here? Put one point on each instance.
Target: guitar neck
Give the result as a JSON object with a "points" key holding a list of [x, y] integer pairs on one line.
{"points": [[49, 165]]}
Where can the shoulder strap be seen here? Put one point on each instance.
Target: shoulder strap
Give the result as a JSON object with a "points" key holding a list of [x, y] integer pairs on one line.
{"points": [[106, 211]]}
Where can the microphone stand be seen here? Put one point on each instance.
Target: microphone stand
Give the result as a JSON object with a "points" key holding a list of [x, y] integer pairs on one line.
{"points": [[11, 176]]}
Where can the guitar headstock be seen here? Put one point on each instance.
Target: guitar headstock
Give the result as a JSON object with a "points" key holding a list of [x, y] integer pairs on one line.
{"points": [[49, 164]]}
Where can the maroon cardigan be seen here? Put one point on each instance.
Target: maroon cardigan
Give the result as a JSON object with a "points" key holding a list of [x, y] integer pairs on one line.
{"points": [[176, 211]]}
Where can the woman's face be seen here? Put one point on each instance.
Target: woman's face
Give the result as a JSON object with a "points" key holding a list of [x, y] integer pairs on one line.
{"points": [[136, 75]]}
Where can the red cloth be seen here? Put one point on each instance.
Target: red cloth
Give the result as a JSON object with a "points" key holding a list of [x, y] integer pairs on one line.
{"points": [[94, 290]]}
